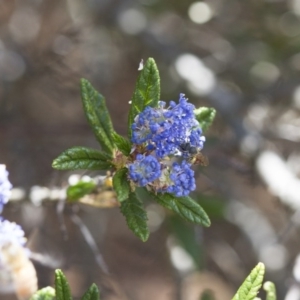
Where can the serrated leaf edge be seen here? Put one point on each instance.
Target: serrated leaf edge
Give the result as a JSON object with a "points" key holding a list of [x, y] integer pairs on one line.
{"points": [[62, 288], [66, 157], [134, 229], [250, 287]]}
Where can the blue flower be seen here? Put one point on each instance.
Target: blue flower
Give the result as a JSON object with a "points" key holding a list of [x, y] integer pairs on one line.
{"points": [[195, 138], [165, 130], [146, 124], [183, 179], [11, 232], [144, 169], [183, 110], [160, 133], [140, 134], [5, 187]]}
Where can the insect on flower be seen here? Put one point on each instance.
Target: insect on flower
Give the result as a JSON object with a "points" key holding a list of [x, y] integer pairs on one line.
{"points": [[187, 149], [193, 154], [167, 133], [199, 159]]}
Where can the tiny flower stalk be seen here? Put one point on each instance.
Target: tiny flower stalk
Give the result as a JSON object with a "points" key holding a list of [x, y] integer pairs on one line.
{"points": [[164, 143], [119, 159]]}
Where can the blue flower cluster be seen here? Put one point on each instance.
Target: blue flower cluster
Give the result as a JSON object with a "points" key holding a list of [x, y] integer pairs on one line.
{"points": [[163, 133], [10, 232], [165, 130], [183, 178], [144, 169], [5, 187]]}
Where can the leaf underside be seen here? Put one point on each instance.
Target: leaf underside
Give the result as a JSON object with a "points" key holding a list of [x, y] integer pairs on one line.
{"points": [[205, 117], [80, 189]]}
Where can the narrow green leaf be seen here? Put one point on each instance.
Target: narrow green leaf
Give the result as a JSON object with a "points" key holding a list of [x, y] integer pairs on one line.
{"points": [[147, 91], [80, 189], [122, 143], [82, 158], [136, 216], [252, 284], [62, 289], [186, 207], [205, 117], [121, 184], [97, 115], [47, 293], [92, 293], [270, 288]]}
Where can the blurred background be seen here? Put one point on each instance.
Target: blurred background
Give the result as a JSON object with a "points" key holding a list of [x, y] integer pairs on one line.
{"points": [[240, 57]]}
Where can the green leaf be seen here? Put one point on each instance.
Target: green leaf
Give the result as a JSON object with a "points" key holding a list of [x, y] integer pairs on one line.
{"points": [[82, 158], [205, 116], [121, 184], [147, 91], [213, 205], [97, 115], [185, 233], [252, 284], [186, 207], [80, 189], [47, 293], [136, 216], [270, 288], [62, 289], [207, 295], [122, 143], [92, 293]]}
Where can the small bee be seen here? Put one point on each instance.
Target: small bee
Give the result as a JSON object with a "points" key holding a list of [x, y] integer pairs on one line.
{"points": [[193, 154], [199, 159], [17, 273], [187, 149]]}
